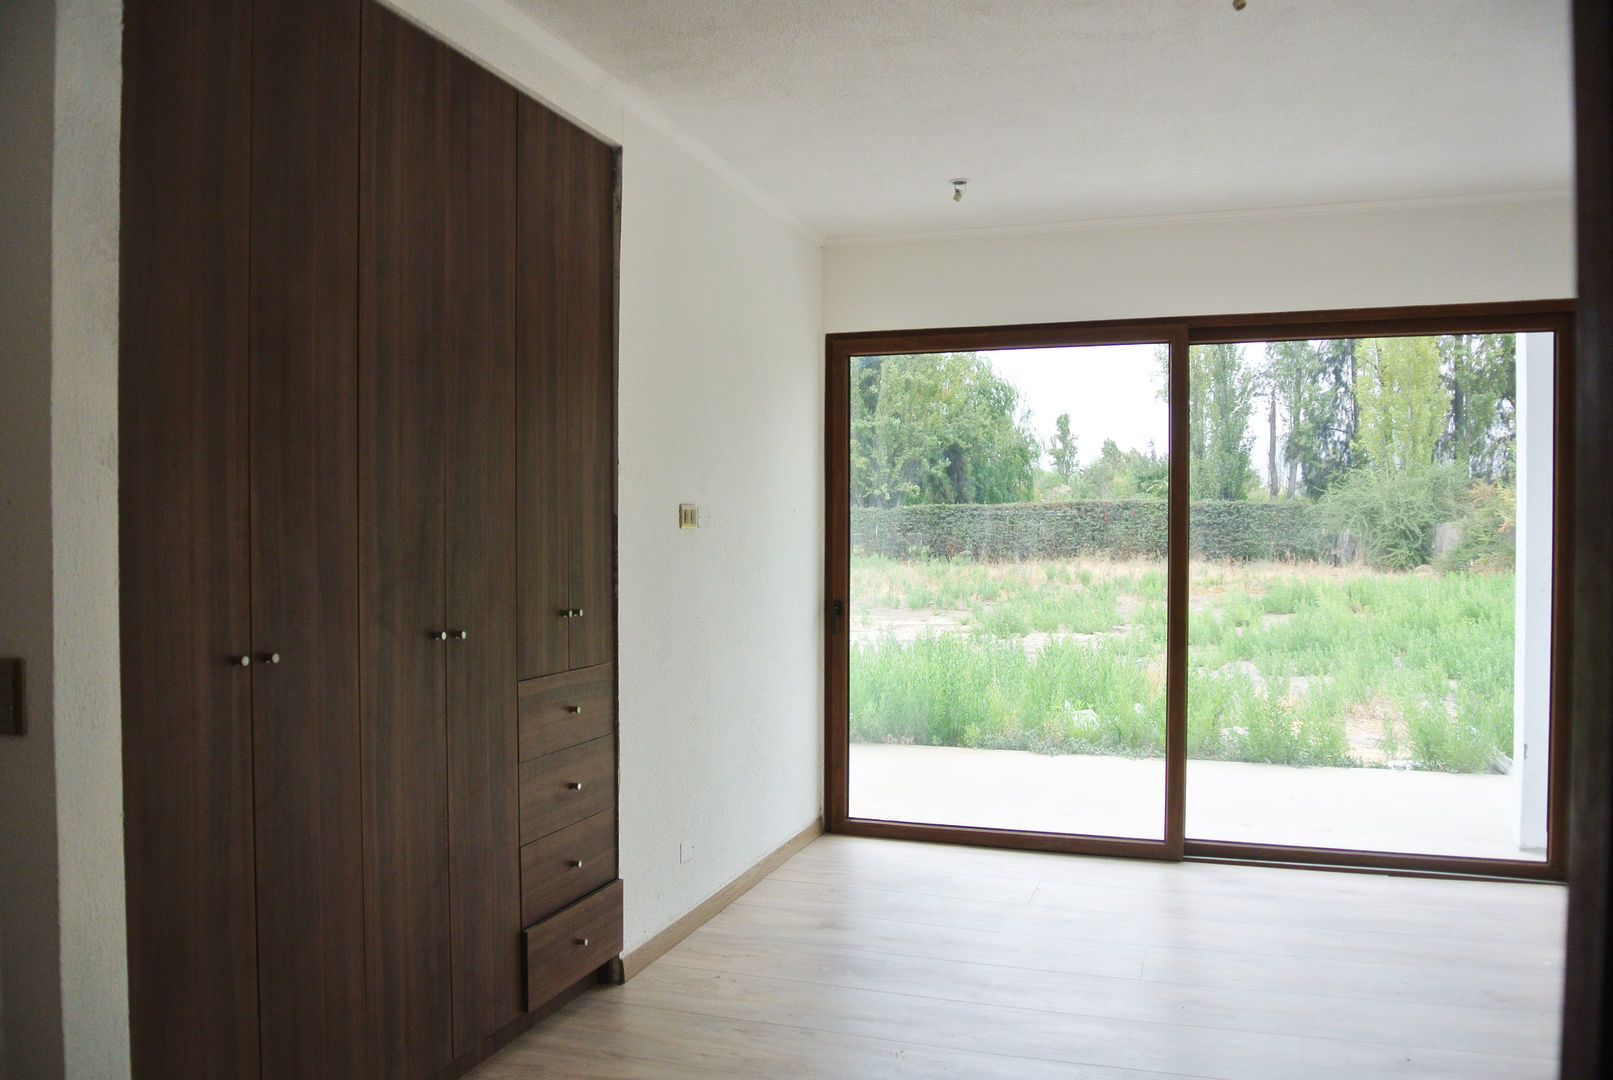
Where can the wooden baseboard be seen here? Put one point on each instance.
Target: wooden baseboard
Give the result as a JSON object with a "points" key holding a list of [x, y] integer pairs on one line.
{"points": [[653, 949]]}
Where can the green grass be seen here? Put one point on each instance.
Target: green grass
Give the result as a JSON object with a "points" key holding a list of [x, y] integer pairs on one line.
{"points": [[1421, 663]]}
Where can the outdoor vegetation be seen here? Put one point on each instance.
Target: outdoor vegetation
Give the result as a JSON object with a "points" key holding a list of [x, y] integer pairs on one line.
{"points": [[1351, 593]]}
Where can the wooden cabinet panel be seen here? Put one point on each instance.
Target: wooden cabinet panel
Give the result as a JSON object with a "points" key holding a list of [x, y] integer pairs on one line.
{"points": [[545, 492], [566, 709], [183, 541], [483, 806], [591, 401], [567, 865], [568, 945], [564, 787], [567, 342], [304, 490], [403, 313]]}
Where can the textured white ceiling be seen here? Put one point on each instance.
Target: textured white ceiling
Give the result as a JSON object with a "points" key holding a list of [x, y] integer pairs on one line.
{"points": [[854, 115]]}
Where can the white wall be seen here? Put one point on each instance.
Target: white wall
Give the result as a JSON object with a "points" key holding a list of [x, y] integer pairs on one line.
{"points": [[84, 529], [63, 996], [720, 404], [1456, 252]]}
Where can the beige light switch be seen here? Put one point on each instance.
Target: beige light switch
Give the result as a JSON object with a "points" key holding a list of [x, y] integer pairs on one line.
{"points": [[688, 516]]}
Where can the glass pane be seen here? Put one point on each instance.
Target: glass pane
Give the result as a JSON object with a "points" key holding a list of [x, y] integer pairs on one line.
{"points": [[1008, 530], [1370, 589]]}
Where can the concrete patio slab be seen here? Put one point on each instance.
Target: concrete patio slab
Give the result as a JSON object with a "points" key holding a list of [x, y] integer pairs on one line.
{"points": [[1424, 813]]}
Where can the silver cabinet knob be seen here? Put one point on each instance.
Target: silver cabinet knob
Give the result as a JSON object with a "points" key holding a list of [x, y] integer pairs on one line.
{"points": [[574, 785], [460, 634], [574, 709], [575, 864], [582, 942], [272, 658], [243, 661], [441, 635]]}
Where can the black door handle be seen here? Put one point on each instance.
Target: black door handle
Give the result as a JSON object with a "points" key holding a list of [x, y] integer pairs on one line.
{"points": [[835, 610]]}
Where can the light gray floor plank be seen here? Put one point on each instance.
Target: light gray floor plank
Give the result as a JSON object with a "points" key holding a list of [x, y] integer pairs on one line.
{"points": [[875, 958]]}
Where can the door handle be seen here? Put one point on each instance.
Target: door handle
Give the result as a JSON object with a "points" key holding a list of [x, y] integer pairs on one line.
{"points": [[836, 609]]}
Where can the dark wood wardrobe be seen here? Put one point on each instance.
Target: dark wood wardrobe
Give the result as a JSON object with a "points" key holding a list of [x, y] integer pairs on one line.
{"points": [[368, 546]]}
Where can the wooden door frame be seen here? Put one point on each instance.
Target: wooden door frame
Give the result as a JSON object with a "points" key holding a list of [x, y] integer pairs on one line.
{"points": [[1552, 316], [1587, 995]]}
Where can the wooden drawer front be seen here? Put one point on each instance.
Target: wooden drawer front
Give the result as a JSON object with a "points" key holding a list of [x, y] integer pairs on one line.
{"points": [[571, 943], [566, 865], [566, 709], [562, 788]]}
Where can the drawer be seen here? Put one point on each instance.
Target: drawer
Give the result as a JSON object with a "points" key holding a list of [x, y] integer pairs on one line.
{"points": [[562, 788], [566, 709], [572, 942], [566, 865]]}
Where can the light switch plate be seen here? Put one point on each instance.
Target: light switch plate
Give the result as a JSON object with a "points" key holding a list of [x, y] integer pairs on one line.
{"points": [[688, 516], [13, 717]]}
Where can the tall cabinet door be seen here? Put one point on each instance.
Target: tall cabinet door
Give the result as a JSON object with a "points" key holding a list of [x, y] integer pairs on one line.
{"points": [[403, 315], [591, 398], [304, 313], [567, 390], [183, 539], [478, 174]]}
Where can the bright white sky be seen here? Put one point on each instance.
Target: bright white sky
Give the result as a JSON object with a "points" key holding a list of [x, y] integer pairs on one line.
{"points": [[1110, 392]]}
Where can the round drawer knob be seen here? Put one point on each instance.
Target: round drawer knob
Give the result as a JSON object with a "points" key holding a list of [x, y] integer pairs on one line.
{"points": [[574, 710], [574, 785], [575, 864], [243, 661], [582, 942]]}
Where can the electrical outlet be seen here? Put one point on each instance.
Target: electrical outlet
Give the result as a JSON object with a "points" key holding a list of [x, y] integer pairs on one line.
{"points": [[685, 852]]}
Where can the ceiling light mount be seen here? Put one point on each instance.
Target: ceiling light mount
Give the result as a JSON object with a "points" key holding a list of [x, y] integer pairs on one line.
{"points": [[957, 188], [1239, 5]]}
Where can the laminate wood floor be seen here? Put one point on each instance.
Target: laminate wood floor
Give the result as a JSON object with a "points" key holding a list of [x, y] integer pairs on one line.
{"points": [[879, 958]]}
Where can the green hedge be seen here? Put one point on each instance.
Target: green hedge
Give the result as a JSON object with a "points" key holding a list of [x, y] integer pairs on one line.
{"points": [[1118, 529]]}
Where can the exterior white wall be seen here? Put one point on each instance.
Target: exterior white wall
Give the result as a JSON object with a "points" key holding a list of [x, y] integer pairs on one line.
{"points": [[1517, 249], [720, 404], [1531, 682]]}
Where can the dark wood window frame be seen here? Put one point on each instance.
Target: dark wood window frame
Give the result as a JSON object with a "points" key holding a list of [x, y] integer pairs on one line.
{"points": [[1547, 316]]}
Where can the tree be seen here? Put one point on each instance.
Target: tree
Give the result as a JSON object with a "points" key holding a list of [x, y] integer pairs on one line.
{"points": [[1061, 448], [937, 428], [1402, 400], [1221, 394], [1480, 431]]}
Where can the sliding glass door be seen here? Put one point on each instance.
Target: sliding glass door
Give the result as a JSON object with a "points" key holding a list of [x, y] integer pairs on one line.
{"points": [[1369, 614], [1006, 626], [1280, 589]]}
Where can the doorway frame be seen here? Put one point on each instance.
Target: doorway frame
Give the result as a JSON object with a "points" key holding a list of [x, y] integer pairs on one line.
{"points": [[1179, 334]]}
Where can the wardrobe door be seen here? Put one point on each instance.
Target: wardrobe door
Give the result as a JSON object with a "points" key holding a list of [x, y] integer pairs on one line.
{"points": [[305, 633], [404, 299], [478, 189], [567, 395], [183, 543], [591, 400], [543, 504]]}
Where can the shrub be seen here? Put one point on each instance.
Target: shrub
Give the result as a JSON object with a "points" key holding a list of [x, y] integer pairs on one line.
{"points": [[1394, 511], [1121, 529], [1489, 530]]}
